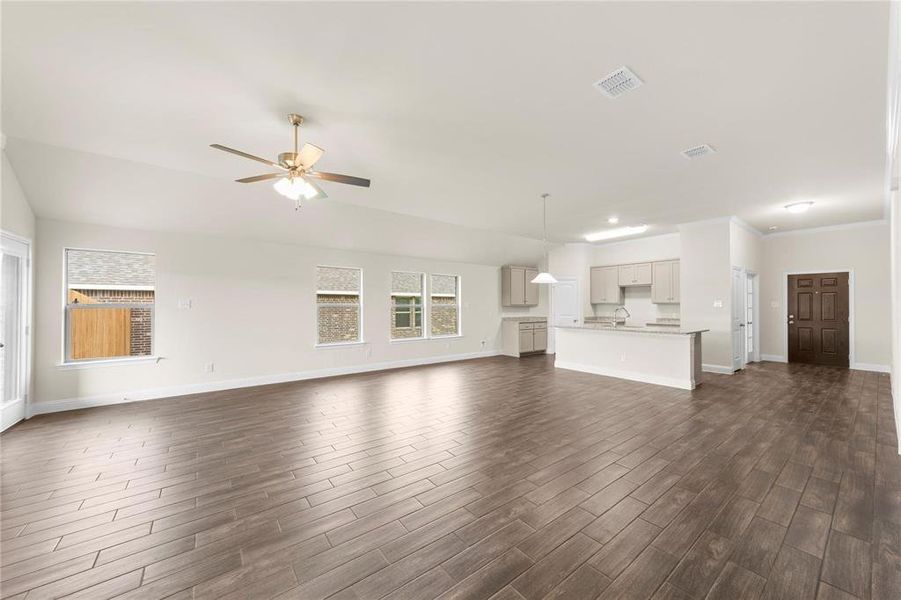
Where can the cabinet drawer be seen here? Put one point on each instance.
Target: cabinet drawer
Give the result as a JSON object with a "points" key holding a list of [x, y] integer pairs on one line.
{"points": [[524, 326], [539, 325]]}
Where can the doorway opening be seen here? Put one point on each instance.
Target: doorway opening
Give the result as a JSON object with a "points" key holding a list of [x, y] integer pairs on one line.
{"points": [[818, 319], [745, 316]]}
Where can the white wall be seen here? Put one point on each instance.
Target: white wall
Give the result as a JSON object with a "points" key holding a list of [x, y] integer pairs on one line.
{"points": [[252, 314], [15, 212], [864, 249], [745, 247], [705, 288]]}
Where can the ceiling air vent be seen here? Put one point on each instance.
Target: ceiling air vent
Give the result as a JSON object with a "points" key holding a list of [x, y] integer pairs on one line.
{"points": [[618, 82], [698, 151]]}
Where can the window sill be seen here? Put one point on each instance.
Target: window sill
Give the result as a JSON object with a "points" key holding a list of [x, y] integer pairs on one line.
{"points": [[446, 337], [425, 339], [109, 362], [339, 345]]}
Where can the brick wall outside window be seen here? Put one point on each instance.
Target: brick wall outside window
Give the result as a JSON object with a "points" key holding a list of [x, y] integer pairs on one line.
{"points": [[141, 324]]}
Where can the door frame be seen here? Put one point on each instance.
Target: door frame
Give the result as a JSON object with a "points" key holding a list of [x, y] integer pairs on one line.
{"points": [[783, 327], [753, 278], [743, 313], [26, 317], [580, 310]]}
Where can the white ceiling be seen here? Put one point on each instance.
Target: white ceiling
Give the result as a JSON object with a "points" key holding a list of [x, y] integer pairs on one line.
{"points": [[459, 112]]}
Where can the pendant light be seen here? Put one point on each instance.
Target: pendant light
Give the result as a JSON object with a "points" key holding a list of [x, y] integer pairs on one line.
{"points": [[544, 276]]}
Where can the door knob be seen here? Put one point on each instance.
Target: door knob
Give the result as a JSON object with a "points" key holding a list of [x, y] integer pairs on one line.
{"points": [[791, 322]]}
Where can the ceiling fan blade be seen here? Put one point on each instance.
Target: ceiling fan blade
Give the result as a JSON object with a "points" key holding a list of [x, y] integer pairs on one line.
{"points": [[339, 178], [308, 155], [256, 178], [320, 194], [245, 155]]}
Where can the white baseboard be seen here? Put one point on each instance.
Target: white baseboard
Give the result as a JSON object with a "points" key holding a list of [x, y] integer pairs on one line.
{"points": [[859, 366], [773, 358], [51, 406], [11, 414], [684, 384], [721, 369]]}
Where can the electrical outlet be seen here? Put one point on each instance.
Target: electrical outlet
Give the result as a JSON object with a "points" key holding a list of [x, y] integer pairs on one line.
{"points": [[622, 358], [484, 343], [209, 367]]}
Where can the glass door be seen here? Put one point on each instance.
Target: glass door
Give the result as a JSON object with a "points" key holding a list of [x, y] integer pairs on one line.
{"points": [[13, 329]]}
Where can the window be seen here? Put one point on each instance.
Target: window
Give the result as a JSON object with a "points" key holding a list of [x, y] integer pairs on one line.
{"points": [[109, 304], [444, 305], [406, 305], [338, 305]]}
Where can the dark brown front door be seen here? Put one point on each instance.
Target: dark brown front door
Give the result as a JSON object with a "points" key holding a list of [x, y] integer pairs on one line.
{"points": [[818, 319]]}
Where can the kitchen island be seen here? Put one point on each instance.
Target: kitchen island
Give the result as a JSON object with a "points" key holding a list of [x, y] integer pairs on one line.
{"points": [[660, 355]]}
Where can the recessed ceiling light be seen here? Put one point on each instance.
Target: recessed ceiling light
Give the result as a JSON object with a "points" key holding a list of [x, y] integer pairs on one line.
{"points": [[613, 220], [798, 207], [774, 227], [615, 233]]}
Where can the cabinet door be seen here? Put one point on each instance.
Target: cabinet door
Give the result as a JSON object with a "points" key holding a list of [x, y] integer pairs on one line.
{"points": [[662, 288], [676, 290], [517, 286], [539, 340], [643, 275], [613, 293], [598, 285], [626, 275], [526, 341], [531, 294]]}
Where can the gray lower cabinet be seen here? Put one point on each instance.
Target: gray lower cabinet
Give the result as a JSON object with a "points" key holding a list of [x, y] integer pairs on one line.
{"points": [[517, 288], [523, 338]]}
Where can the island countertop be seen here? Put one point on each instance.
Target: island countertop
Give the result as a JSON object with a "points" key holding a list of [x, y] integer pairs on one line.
{"points": [[664, 330]]}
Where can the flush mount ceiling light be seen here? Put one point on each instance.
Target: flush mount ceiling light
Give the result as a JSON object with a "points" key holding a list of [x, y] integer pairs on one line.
{"points": [[615, 233], [544, 276], [295, 169], [613, 220], [798, 207]]}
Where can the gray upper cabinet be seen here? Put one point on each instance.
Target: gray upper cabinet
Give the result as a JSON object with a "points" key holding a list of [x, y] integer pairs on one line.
{"points": [[605, 286], [517, 288], [637, 274], [665, 289]]}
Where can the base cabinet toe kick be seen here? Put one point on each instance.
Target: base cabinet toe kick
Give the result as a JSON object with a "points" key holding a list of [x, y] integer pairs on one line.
{"points": [[661, 356]]}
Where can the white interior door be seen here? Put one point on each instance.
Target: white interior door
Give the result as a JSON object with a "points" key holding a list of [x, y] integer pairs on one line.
{"points": [[565, 302], [750, 321], [14, 266], [739, 352]]}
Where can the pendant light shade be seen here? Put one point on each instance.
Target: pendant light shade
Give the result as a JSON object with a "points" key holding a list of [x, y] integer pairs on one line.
{"points": [[545, 276]]}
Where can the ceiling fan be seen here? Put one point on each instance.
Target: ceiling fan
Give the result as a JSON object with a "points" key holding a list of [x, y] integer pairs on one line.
{"points": [[294, 177]]}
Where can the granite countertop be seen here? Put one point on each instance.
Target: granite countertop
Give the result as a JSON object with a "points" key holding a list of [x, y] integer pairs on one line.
{"points": [[637, 329], [526, 319]]}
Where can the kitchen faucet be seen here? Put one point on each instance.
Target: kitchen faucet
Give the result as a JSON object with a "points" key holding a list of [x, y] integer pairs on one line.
{"points": [[620, 308]]}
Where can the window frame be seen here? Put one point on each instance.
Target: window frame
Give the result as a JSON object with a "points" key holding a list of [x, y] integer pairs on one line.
{"points": [[459, 304], [362, 337], [423, 276], [66, 360]]}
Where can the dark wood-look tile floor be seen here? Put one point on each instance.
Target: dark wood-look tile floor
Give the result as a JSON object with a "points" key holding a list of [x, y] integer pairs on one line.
{"points": [[494, 478]]}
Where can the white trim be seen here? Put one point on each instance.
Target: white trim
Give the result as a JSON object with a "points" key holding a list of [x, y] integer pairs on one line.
{"points": [[319, 346], [721, 369], [747, 226], [684, 384], [827, 228], [852, 322], [337, 292], [773, 358], [231, 384], [107, 362], [9, 413], [871, 367]]}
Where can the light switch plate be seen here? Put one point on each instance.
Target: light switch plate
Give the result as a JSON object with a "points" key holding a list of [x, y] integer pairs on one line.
{"points": [[717, 303], [184, 303]]}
